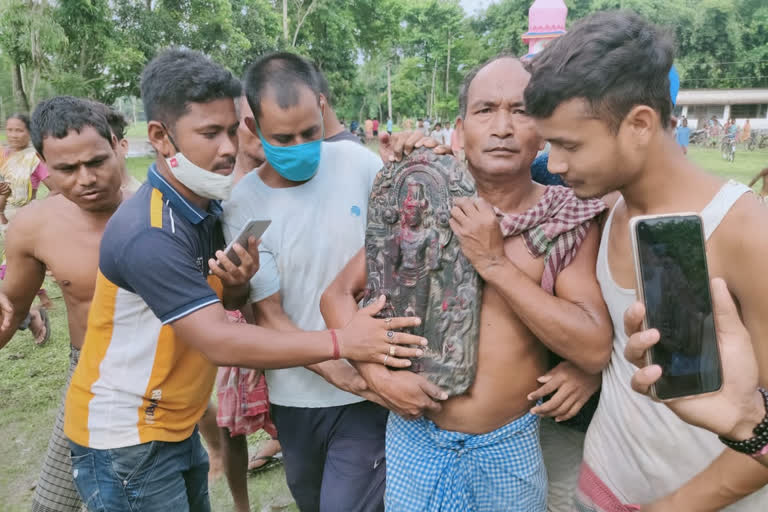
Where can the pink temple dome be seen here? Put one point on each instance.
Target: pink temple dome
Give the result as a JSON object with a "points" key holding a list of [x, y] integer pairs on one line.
{"points": [[547, 16]]}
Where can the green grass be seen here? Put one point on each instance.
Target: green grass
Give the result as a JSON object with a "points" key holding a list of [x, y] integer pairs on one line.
{"points": [[743, 168], [137, 130], [32, 380], [137, 166]]}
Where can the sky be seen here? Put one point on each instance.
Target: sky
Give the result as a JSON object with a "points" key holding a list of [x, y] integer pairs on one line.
{"points": [[472, 7]]}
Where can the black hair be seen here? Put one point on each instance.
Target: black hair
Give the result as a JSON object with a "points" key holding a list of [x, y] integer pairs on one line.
{"points": [[615, 60], [283, 73], [470, 77], [24, 118], [117, 121], [57, 116], [178, 77]]}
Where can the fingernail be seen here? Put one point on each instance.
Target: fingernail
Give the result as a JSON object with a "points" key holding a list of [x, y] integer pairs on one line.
{"points": [[382, 298], [417, 321], [424, 341], [419, 353], [444, 396], [529, 397], [408, 363]]}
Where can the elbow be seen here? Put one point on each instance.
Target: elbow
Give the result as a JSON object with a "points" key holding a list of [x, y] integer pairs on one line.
{"points": [[217, 351], [216, 356], [599, 357], [596, 364], [595, 352], [327, 300]]}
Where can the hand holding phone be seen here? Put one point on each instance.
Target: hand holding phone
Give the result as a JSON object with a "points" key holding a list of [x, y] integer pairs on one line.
{"points": [[228, 266], [738, 407], [252, 229], [673, 284]]}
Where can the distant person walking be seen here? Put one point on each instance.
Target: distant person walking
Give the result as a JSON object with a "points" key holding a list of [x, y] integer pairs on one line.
{"points": [[683, 135]]}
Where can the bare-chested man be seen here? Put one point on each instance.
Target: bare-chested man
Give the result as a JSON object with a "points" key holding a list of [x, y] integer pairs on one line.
{"points": [[480, 450], [62, 233]]}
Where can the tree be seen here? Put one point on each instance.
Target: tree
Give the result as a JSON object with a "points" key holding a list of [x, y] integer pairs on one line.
{"points": [[84, 62], [30, 36]]}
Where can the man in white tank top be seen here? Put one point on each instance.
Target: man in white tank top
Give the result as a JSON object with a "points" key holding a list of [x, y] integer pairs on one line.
{"points": [[600, 95]]}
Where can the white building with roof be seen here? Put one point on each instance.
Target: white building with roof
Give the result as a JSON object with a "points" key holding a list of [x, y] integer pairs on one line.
{"points": [[699, 105]]}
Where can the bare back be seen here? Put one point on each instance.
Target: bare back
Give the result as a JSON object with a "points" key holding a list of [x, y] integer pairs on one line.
{"points": [[510, 359]]}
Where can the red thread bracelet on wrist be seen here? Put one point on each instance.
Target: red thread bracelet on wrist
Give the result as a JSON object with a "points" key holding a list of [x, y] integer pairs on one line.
{"points": [[335, 340]]}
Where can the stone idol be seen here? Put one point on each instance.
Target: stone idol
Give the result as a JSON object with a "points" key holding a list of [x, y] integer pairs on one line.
{"points": [[413, 258]]}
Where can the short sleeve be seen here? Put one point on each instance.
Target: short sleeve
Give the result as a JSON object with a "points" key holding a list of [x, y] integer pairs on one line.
{"points": [[161, 269], [39, 174], [266, 281]]}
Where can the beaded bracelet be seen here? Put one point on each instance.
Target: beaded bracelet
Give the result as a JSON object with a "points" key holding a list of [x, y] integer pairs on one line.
{"points": [[756, 446]]}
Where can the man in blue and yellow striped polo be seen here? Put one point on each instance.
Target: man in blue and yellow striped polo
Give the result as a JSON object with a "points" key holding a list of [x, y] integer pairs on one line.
{"points": [[157, 328]]}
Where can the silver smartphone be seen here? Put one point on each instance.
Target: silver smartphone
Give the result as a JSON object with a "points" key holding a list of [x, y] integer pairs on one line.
{"points": [[253, 228], [673, 283]]}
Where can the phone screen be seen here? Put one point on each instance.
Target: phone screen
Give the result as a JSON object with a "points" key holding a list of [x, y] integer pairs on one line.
{"points": [[675, 281]]}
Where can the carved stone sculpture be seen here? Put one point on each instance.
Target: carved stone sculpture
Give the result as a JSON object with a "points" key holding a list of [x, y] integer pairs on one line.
{"points": [[414, 259]]}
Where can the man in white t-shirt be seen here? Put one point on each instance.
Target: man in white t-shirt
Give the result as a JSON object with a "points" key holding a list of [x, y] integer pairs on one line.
{"points": [[440, 135], [316, 195]]}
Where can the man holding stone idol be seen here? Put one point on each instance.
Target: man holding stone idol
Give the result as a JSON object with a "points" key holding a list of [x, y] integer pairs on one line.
{"points": [[535, 248]]}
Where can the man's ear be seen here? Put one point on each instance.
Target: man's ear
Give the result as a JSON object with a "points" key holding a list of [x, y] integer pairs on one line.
{"points": [[642, 122], [460, 132], [251, 124], [158, 137]]}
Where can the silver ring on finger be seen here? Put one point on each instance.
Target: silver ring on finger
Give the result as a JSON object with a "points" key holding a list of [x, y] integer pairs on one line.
{"points": [[385, 359], [388, 321], [392, 349], [391, 335]]}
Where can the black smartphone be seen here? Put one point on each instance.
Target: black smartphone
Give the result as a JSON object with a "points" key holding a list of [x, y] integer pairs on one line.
{"points": [[673, 283]]}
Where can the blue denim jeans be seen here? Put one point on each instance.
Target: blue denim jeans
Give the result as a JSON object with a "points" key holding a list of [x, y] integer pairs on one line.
{"points": [[150, 477]]}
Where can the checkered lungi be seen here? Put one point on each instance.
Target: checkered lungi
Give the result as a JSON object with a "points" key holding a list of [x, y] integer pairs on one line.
{"points": [[434, 470], [243, 398], [55, 491]]}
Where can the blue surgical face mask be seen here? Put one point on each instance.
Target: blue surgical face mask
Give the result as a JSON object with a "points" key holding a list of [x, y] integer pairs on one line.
{"points": [[294, 163]]}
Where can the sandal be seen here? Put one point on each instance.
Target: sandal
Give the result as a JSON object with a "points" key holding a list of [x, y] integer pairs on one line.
{"points": [[269, 462]]}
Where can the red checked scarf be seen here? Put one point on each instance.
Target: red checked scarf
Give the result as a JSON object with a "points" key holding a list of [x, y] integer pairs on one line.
{"points": [[554, 228]]}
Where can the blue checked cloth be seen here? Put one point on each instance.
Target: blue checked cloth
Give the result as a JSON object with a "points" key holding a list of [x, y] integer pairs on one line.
{"points": [[434, 470]]}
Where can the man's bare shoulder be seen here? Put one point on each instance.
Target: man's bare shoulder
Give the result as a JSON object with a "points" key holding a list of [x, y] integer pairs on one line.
{"points": [[746, 222], [741, 239], [42, 213]]}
